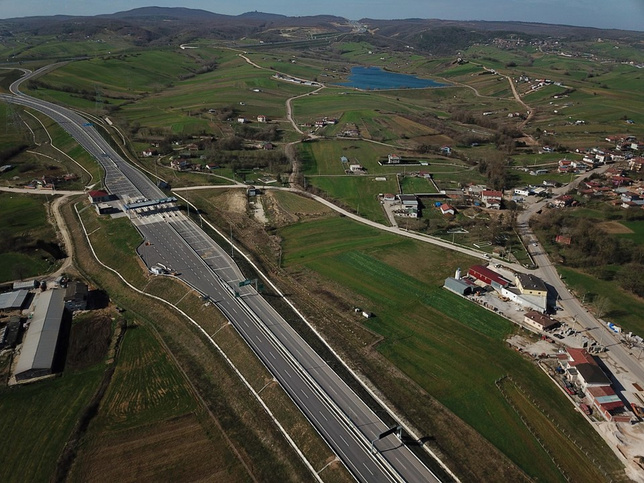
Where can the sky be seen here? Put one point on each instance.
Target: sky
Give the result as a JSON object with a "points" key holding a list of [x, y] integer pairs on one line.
{"points": [[622, 14]]}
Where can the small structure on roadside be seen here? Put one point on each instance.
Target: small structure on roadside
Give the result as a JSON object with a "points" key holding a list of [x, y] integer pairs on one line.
{"points": [[99, 196], [539, 321]]}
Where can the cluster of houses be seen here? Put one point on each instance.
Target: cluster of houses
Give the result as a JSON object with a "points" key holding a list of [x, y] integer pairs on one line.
{"points": [[617, 187], [50, 182], [480, 195], [262, 119]]}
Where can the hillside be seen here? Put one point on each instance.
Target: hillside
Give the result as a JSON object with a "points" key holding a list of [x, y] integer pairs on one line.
{"points": [[163, 25]]}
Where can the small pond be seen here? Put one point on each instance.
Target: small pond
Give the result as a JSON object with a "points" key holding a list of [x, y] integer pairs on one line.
{"points": [[369, 78]]}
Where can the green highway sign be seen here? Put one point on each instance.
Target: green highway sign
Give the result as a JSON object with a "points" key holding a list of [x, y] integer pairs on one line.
{"points": [[245, 282]]}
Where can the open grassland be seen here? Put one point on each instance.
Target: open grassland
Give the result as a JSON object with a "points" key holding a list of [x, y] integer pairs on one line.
{"points": [[359, 193], [230, 85], [128, 74], [49, 48], [556, 443], [148, 408], [146, 387], [411, 185], [12, 135], [28, 243], [36, 147], [323, 157], [436, 338], [298, 205], [40, 417], [625, 310], [302, 68], [116, 243]]}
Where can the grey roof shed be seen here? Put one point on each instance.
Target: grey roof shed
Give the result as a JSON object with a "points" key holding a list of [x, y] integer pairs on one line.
{"points": [[13, 300], [39, 347]]}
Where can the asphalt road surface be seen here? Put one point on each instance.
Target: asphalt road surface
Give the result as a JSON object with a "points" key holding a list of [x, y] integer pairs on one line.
{"points": [[338, 414]]}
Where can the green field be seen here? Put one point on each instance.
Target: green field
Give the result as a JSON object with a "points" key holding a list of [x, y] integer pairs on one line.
{"points": [[417, 185], [625, 309], [438, 339], [638, 231], [41, 417], [118, 242], [28, 243], [358, 193]]}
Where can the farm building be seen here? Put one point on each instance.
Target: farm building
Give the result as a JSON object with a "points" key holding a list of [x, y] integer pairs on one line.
{"points": [[487, 276], [13, 300], [530, 284], [76, 296], [539, 321], [530, 302], [605, 400], [39, 347], [409, 200], [447, 209], [458, 285], [99, 196], [26, 285]]}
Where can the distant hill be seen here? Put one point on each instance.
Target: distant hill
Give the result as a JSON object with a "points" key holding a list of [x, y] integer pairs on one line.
{"points": [[165, 25]]}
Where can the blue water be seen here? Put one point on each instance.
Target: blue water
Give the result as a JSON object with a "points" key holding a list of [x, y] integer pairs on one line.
{"points": [[377, 78]]}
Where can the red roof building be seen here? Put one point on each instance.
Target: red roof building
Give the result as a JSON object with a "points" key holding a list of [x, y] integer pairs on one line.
{"points": [[605, 400], [579, 356], [98, 196], [487, 276], [447, 209]]}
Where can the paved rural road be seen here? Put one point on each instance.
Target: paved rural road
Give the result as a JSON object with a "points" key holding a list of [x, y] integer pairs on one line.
{"points": [[547, 271], [340, 416]]}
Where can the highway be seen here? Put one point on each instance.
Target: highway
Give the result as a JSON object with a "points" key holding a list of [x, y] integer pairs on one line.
{"points": [[338, 414]]}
